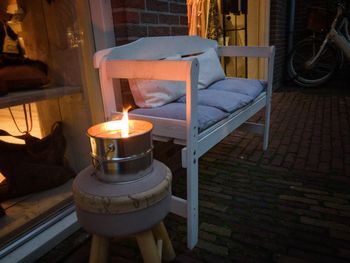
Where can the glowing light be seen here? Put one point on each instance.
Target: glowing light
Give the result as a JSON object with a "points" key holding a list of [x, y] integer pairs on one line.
{"points": [[120, 125], [125, 123], [2, 178]]}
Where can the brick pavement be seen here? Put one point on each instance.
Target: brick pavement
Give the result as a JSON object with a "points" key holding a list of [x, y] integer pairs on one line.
{"points": [[290, 204]]}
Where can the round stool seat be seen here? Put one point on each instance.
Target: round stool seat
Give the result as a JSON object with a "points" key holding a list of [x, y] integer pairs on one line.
{"points": [[114, 210]]}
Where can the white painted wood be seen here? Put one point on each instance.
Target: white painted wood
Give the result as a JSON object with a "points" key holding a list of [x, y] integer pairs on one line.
{"points": [[157, 48], [192, 153], [178, 206], [141, 59], [102, 23], [180, 142], [147, 69], [109, 103]]}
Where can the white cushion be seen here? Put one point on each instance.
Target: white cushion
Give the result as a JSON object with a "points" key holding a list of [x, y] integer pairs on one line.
{"points": [[155, 93], [210, 69]]}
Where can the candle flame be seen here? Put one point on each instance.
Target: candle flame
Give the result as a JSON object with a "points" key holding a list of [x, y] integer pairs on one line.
{"points": [[2, 178], [121, 125], [125, 123]]}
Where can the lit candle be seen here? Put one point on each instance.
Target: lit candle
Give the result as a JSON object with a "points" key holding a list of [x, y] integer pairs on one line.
{"points": [[122, 128], [121, 150]]}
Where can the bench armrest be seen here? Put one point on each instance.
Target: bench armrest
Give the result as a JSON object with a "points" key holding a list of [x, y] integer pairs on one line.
{"points": [[236, 51], [255, 52]]}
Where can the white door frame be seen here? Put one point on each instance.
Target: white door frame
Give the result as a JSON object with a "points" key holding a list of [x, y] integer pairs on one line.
{"points": [[102, 23]]}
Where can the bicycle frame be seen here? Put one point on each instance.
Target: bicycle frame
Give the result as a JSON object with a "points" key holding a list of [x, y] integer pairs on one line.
{"points": [[342, 41], [336, 36]]}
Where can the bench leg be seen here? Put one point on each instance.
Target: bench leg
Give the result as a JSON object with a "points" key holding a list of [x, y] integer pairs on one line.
{"points": [[148, 247], [99, 249], [192, 202], [160, 232], [267, 124]]}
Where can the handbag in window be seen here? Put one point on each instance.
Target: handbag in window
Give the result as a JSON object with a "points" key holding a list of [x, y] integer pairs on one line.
{"points": [[37, 165]]}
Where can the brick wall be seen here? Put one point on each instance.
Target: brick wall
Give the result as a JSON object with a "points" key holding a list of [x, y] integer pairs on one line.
{"points": [[302, 9], [139, 18]]}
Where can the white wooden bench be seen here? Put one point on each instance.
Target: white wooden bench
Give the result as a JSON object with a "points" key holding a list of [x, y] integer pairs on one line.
{"points": [[142, 60]]}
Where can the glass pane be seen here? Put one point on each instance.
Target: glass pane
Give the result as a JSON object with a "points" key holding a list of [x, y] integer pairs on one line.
{"points": [[48, 32]]}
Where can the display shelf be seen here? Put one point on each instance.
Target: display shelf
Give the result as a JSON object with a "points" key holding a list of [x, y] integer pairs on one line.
{"points": [[18, 98]]}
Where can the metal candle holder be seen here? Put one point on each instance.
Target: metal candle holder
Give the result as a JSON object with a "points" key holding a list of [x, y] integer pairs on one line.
{"points": [[118, 158]]}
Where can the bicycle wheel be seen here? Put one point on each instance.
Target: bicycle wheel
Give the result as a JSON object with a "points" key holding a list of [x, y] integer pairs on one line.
{"points": [[322, 70]]}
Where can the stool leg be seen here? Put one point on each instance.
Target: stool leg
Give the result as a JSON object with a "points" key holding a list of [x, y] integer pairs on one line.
{"points": [[99, 249], [160, 232], [148, 247]]}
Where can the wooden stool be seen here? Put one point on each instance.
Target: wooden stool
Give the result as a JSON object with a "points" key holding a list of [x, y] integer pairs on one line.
{"points": [[133, 208]]}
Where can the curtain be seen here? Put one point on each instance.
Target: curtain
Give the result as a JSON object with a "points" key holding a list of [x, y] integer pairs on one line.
{"points": [[204, 18]]}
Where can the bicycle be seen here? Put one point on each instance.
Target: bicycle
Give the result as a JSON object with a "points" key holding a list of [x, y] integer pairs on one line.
{"points": [[312, 61]]}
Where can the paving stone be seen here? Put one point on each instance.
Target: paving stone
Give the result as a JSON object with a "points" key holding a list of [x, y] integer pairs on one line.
{"points": [[325, 210], [279, 258], [305, 212], [216, 259], [344, 253], [339, 234], [337, 206], [210, 188], [315, 257], [308, 190], [327, 198], [342, 195], [206, 236], [324, 223], [186, 258], [286, 182], [298, 199], [221, 231], [214, 206], [212, 248], [216, 195]]}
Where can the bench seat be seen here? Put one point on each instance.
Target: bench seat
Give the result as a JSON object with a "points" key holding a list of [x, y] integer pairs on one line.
{"points": [[214, 103]]}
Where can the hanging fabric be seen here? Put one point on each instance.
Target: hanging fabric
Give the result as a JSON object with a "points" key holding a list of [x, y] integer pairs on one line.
{"points": [[204, 18], [214, 27], [196, 15]]}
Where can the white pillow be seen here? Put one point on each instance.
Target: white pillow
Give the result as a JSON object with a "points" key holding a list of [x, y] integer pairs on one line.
{"points": [[155, 93], [210, 69]]}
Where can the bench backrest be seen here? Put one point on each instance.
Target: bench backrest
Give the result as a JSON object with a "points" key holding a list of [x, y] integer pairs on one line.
{"points": [[153, 48]]}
